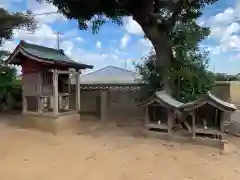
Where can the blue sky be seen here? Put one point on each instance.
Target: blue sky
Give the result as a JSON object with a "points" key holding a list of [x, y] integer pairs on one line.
{"points": [[114, 45]]}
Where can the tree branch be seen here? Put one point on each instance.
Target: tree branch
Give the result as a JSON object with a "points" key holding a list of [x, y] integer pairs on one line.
{"points": [[170, 4], [174, 6], [158, 17]]}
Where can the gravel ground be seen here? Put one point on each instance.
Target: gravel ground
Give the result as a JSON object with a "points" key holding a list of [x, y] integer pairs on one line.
{"points": [[116, 154]]}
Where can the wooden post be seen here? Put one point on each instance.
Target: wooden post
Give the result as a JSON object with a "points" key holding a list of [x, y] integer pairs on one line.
{"points": [[170, 119], [78, 91], [147, 116], [39, 93], [69, 91], [60, 102], [55, 93], [24, 102], [103, 105], [40, 104], [222, 141], [216, 117], [9, 101], [223, 115], [154, 113], [194, 124]]}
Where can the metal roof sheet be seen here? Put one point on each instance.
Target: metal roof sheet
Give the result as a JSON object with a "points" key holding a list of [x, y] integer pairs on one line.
{"points": [[111, 75]]}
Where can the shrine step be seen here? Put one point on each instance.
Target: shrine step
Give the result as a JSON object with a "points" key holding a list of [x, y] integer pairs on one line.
{"points": [[55, 125]]}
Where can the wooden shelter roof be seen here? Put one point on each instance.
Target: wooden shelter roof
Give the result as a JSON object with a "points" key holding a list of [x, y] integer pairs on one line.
{"points": [[164, 99], [209, 99], [44, 55]]}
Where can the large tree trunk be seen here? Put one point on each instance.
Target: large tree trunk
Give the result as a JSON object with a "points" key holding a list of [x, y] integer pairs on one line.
{"points": [[163, 51], [158, 37]]}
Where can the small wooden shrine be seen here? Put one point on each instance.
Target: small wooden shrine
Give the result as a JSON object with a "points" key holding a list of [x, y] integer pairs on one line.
{"points": [[207, 116], [161, 110], [45, 79]]}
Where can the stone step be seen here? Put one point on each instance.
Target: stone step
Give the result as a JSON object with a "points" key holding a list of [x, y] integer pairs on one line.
{"points": [[233, 128], [51, 124]]}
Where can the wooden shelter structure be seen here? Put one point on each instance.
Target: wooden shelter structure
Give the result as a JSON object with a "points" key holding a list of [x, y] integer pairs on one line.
{"points": [[207, 115], [45, 72], [161, 111]]}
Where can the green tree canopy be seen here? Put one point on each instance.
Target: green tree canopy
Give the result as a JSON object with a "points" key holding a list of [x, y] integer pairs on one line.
{"points": [[156, 17], [9, 22], [188, 73]]}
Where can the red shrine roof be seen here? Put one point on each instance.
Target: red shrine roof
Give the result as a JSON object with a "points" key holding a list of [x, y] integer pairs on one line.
{"points": [[43, 55]]}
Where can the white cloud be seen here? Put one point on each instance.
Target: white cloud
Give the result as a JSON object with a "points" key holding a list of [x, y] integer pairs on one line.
{"points": [[124, 41], [39, 8], [67, 46], [132, 27], [225, 30], [9, 46], [231, 42], [216, 50], [227, 37], [98, 44], [228, 16], [98, 60], [4, 3], [225, 17], [80, 39], [44, 35], [42, 32], [233, 28], [71, 33], [144, 46], [235, 57]]}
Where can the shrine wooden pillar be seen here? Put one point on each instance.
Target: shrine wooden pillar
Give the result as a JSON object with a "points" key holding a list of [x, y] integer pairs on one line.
{"points": [[147, 116], [194, 124], [170, 121], [78, 100], [40, 103], [222, 119], [24, 101], [55, 93]]}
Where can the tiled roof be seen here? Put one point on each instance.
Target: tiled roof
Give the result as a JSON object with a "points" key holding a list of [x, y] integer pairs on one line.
{"points": [[51, 55], [45, 52]]}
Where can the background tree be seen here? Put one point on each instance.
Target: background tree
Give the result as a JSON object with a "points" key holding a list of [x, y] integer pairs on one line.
{"points": [[226, 77], [9, 22], [188, 72], [156, 17]]}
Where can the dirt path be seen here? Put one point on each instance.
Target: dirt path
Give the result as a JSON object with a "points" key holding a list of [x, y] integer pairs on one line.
{"points": [[32, 155]]}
